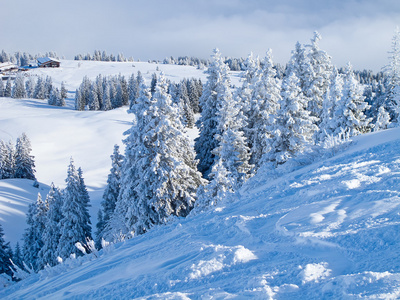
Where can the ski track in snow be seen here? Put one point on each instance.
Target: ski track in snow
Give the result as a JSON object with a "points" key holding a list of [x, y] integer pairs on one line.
{"points": [[329, 230]]}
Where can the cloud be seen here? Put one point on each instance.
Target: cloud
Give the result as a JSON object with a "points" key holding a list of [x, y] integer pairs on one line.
{"points": [[355, 30]]}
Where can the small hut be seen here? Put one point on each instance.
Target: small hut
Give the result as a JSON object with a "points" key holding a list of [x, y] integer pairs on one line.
{"points": [[48, 62]]}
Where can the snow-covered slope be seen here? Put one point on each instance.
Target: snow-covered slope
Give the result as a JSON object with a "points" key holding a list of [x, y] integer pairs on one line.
{"points": [[329, 230], [57, 134]]}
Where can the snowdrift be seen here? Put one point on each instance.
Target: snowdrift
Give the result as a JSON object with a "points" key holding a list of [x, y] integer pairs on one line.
{"points": [[329, 230]]}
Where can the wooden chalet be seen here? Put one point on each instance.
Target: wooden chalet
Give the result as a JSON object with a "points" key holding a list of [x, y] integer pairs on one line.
{"points": [[48, 62], [8, 67]]}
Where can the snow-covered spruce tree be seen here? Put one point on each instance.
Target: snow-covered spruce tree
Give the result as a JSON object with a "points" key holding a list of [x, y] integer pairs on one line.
{"points": [[79, 101], [51, 234], [295, 126], [24, 161], [40, 89], [1, 88], [110, 195], [185, 103], [55, 98], [19, 87], [94, 103], [63, 92], [8, 89], [17, 256], [106, 104], [30, 87], [33, 242], [5, 262], [393, 84], [194, 93], [159, 175], [98, 84], [264, 105], [382, 120], [48, 86], [352, 119], [208, 122], [331, 107], [7, 155], [75, 224], [315, 86]]}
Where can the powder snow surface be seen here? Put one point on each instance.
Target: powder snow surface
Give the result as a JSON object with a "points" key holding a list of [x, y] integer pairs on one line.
{"points": [[329, 230]]}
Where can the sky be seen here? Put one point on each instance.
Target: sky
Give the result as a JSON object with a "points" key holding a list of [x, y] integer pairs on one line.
{"points": [[356, 31]]}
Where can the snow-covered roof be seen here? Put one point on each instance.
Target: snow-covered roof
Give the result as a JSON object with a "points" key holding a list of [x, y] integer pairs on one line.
{"points": [[7, 64], [43, 60]]}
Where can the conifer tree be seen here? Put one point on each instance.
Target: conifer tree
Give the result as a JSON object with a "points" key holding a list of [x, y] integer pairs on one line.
{"points": [[63, 93], [262, 110], [208, 122], [316, 84], [75, 223], [331, 109], [40, 89], [7, 160], [5, 249], [382, 120], [19, 87], [8, 89], [353, 120], [159, 175], [295, 127], [30, 87], [79, 101], [51, 234], [17, 256], [111, 193], [393, 85], [24, 161], [1, 88], [33, 233]]}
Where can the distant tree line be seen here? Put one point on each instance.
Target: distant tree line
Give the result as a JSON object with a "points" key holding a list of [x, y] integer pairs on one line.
{"points": [[105, 93], [36, 88], [103, 56]]}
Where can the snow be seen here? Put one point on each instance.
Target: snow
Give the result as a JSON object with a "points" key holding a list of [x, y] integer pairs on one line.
{"points": [[326, 230]]}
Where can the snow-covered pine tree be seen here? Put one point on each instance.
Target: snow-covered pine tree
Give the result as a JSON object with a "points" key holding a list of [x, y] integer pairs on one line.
{"points": [[208, 122], [51, 234], [40, 89], [30, 87], [99, 90], [17, 256], [185, 103], [8, 89], [24, 161], [382, 120], [315, 86], [7, 160], [94, 103], [75, 223], [19, 87], [33, 242], [263, 108], [5, 262], [79, 101], [295, 126], [106, 105], [331, 107], [63, 92], [393, 84], [353, 120], [159, 175], [1, 88], [111, 192], [48, 86]]}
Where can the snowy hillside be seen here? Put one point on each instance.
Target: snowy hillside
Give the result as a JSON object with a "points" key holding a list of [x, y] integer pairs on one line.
{"points": [[329, 230], [59, 133]]}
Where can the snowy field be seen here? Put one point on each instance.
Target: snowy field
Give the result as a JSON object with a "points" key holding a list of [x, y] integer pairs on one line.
{"points": [[327, 230]]}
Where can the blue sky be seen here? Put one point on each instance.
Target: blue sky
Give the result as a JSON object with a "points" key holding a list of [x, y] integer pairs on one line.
{"points": [[352, 30]]}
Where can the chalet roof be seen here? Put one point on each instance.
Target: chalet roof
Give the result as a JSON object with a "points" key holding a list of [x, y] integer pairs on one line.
{"points": [[7, 64], [43, 60]]}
